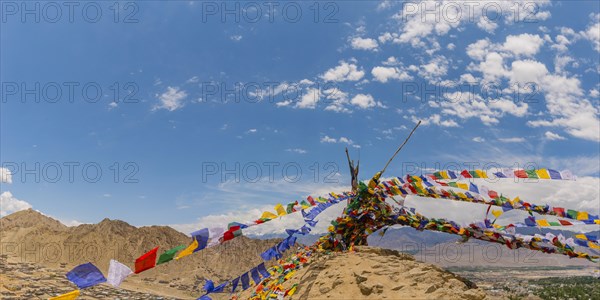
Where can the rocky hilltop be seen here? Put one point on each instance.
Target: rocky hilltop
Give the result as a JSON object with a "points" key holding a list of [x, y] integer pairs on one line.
{"points": [[37, 251]]}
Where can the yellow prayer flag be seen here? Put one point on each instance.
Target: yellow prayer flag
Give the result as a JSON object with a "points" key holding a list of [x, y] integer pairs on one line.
{"points": [[597, 221], [581, 236], [280, 210], [593, 245], [269, 215], [497, 213], [68, 296], [582, 215], [189, 250], [292, 290], [542, 173], [481, 173], [543, 223], [289, 275], [462, 196], [463, 186], [444, 174]]}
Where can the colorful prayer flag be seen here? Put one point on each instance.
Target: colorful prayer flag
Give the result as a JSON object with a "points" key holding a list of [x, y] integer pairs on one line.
{"points": [[85, 275], [146, 261], [68, 296], [169, 254]]}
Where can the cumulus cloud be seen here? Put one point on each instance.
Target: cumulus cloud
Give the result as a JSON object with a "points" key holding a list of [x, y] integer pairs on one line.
{"points": [[592, 33], [343, 72], [341, 140], [383, 74], [524, 44], [363, 101], [364, 44], [566, 104], [9, 204], [172, 99], [435, 119], [310, 99], [422, 21], [478, 139]]}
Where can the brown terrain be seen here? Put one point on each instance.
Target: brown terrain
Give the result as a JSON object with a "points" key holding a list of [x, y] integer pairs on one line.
{"points": [[37, 251]]}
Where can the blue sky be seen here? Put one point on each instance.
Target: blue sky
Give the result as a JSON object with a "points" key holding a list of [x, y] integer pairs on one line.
{"points": [[348, 79]]}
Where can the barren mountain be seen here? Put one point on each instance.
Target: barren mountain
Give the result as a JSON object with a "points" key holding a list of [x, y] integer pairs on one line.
{"points": [[36, 244], [30, 237]]}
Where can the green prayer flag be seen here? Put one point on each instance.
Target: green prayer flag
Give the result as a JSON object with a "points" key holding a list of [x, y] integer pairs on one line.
{"points": [[169, 254], [531, 174], [474, 174], [452, 184], [572, 214]]}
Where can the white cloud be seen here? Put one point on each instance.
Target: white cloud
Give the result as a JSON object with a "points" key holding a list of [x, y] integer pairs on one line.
{"points": [[327, 139], [364, 44], [5, 175], [512, 140], [236, 38], [310, 99], [592, 33], [297, 150], [524, 44], [9, 204], [424, 20], [337, 100], [478, 139], [172, 99], [566, 105], [467, 105], [553, 136], [341, 140], [436, 120], [251, 130], [363, 101], [383, 74], [343, 72], [435, 69]]}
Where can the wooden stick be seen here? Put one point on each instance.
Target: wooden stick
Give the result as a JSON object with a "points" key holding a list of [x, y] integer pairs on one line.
{"points": [[400, 148]]}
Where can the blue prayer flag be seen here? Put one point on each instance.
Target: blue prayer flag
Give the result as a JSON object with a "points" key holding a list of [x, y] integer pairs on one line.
{"points": [[255, 276], [202, 237], [86, 275], [245, 281]]}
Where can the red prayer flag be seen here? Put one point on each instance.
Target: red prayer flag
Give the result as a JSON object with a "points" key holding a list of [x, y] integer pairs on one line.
{"points": [[559, 211], [311, 200], [493, 194], [565, 223], [466, 174], [521, 174], [146, 261]]}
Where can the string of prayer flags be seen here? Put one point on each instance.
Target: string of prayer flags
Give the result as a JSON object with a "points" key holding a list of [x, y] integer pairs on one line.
{"points": [[117, 272], [169, 254], [85, 275], [67, 296], [504, 173], [146, 261]]}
